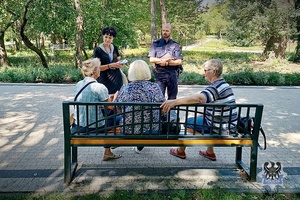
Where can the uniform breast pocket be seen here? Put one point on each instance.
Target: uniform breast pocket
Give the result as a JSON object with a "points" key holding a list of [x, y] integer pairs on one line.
{"points": [[160, 51]]}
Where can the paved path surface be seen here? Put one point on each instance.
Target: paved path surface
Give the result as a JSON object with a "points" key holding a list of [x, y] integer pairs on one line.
{"points": [[31, 147]]}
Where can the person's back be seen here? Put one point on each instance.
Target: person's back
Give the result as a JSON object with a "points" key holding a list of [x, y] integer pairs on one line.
{"points": [[88, 90], [94, 92], [139, 90], [220, 92], [217, 92]]}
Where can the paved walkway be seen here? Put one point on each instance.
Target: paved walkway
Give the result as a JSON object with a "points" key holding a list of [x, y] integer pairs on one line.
{"points": [[31, 147]]}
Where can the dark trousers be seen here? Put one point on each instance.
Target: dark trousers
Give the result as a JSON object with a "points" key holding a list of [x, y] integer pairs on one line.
{"points": [[167, 80]]}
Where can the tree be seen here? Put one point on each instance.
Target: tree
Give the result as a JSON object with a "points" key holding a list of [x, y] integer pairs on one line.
{"points": [[266, 21], [277, 22], [25, 39], [3, 54], [127, 17], [215, 18], [9, 16], [153, 20], [79, 34], [297, 50], [185, 18], [163, 12]]}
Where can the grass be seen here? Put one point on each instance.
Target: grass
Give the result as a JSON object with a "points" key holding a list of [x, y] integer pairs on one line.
{"points": [[155, 195]]}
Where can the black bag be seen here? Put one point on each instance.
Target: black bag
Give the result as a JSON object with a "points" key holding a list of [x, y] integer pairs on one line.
{"points": [[179, 69], [245, 126], [171, 124]]}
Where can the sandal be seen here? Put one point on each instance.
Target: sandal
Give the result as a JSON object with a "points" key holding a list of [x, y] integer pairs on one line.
{"points": [[175, 152], [207, 155], [111, 157]]}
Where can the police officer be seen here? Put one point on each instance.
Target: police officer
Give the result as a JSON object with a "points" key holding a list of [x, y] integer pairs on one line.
{"points": [[166, 54]]}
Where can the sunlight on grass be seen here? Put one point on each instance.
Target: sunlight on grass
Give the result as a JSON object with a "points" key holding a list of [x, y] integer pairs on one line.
{"points": [[221, 45]]}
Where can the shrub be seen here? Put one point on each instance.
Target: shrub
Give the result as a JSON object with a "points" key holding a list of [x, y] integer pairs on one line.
{"points": [[192, 79], [238, 68], [292, 79]]}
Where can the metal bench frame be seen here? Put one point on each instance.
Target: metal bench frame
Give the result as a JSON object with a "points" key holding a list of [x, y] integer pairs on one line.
{"points": [[111, 135]]}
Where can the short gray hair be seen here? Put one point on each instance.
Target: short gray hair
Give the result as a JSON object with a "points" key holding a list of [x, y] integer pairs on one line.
{"points": [[215, 64], [139, 70]]}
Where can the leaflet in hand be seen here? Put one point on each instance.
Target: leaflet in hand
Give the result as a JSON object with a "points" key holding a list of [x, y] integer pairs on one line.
{"points": [[123, 61]]}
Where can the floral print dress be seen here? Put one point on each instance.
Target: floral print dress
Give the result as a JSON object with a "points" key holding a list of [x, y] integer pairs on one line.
{"points": [[140, 91]]}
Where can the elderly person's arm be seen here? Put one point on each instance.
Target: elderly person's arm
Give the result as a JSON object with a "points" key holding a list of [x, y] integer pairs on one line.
{"points": [[194, 99], [111, 98]]}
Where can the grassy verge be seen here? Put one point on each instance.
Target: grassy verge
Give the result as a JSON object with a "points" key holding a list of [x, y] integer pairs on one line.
{"points": [[166, 195], [240, 68]]}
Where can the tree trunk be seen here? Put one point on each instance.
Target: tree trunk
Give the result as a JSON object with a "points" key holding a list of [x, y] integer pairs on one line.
{"points": [[163, 12], [85, 54], [297, 53], [42, 41], [277, 45], [153, 20], [79, 34], [3, 55], [27, 42], [17, 40]]}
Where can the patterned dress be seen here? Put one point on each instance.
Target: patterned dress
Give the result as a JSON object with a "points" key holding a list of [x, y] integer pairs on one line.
{"points": [[140, 91]]}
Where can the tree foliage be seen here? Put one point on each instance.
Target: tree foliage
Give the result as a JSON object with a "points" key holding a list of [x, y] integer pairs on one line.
{"points": [[215, 18], [247, 22], [184, 15], [269, 22]]}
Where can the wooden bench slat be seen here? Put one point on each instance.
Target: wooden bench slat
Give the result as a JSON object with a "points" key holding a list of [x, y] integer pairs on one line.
{"points": [[133, 142]]}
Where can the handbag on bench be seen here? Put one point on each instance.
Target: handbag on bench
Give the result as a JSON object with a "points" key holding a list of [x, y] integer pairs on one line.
{"points": [[245, 126]]}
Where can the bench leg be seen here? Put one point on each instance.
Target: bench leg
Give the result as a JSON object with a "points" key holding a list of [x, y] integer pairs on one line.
{"points": [[253, 163], [74, 154], [67, 168], [70, 163], [238, 154], [251, 173]]}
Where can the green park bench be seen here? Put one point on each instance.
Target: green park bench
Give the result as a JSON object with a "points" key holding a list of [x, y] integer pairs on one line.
{"points": [[164, 136]]}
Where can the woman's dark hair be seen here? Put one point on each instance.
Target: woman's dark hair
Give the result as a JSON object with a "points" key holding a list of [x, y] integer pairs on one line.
{"points": [[109, 31]]}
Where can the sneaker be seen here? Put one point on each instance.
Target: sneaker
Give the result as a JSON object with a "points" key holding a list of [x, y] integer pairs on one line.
{"points": [[137, 150], [207, 155], [174, 152], [111, 157]]}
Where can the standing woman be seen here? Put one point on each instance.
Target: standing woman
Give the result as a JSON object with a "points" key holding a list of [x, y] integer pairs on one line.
{"points": [[111, 75]]}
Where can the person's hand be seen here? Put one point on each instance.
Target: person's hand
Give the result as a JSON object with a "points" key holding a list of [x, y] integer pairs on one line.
{"points": [[115, 96], [115, 65], [111, 98], [167, 105], [164, 62]]}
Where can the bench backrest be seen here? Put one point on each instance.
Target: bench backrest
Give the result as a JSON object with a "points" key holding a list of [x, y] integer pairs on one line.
{"points": [[161, 126]]}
